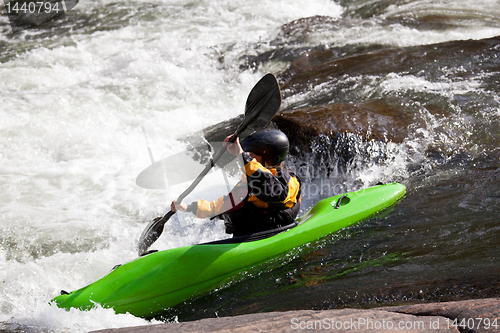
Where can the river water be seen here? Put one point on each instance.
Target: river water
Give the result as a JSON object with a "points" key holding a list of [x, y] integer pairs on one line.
{"points": [[89, 99]]}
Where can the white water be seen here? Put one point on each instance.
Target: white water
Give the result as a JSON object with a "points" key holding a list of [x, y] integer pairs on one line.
{"points": [[76, 123]]}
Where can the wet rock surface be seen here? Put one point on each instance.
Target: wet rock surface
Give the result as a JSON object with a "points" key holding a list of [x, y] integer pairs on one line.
{"points": [[369, 121], [372, 120], [432, 317]]}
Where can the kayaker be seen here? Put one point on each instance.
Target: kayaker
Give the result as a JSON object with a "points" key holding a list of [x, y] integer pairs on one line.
{"points": [[271, 192]]}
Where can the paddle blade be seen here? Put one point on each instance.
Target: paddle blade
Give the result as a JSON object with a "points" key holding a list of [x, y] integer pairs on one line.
{"points": [[172, 170], [152, 232], [262, 103], [184, 166]]}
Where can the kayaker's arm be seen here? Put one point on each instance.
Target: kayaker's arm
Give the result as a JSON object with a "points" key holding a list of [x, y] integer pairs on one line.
{"points": [[201, 208]]}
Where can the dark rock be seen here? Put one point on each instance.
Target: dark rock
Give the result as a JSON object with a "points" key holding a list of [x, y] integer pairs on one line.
{"points": [[218, 132], [372, 120], [334, 134], [25, 14], [316, 66]]}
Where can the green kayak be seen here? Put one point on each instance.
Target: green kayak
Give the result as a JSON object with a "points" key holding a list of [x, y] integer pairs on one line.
{"points": [[147, 285]]}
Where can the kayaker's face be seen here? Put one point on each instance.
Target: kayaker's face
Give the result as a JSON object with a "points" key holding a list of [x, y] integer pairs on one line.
{"points": [[257, 157]]}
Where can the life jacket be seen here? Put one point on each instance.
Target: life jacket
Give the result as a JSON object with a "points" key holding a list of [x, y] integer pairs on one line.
{"points": [[273, 200], [268, 198]]}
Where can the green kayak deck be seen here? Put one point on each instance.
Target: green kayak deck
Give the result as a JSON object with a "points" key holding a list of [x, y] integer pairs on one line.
{"points": [[147, 285]]}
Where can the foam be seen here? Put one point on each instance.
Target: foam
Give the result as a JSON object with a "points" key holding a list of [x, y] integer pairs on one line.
{"points": [[77, 122]]}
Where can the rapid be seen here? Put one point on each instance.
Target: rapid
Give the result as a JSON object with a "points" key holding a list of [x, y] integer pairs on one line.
{"points": [[88, 100]]}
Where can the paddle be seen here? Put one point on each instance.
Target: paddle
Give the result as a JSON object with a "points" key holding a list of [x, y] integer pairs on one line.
{"points": [[262, 104]]}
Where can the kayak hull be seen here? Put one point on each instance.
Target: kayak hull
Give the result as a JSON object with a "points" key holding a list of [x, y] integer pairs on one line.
{"points": [[148, 285]]}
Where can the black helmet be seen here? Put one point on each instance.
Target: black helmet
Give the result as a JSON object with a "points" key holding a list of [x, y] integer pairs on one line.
{"points": [[271, 144]]}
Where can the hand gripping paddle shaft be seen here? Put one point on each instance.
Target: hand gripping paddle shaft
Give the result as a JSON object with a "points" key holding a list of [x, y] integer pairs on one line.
{"points": [[262, 104]]}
